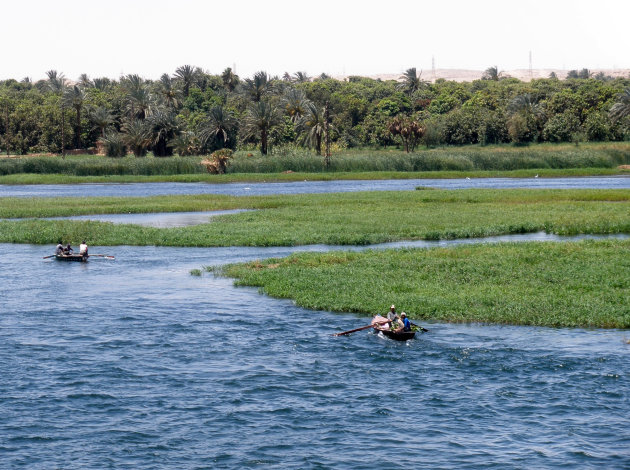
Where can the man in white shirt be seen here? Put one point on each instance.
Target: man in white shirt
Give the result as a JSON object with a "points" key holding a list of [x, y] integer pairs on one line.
{"points": [[83, 249]]}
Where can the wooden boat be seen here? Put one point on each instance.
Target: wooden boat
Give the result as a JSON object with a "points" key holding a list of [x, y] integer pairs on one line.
{"points": [[377, 324], [73, 257], [399, 336]]}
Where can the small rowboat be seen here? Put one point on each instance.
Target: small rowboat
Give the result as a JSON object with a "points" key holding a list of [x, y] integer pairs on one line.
{"points": [[78, 258], [377, 324]]}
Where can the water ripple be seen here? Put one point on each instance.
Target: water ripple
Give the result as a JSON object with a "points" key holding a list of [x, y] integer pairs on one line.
{"points": [[176, 372]]}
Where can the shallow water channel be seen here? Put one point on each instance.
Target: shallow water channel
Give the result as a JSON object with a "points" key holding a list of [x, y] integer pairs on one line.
{"points": [[303, 187], [134, 363]]}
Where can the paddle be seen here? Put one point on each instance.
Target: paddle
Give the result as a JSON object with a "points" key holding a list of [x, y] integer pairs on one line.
{"points": [[359, 329], [103, 256], [51, 256]]}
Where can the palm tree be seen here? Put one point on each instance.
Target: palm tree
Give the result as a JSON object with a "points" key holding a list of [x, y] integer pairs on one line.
{"points": [[295, 104], [187, 74], [260, 119], [301, 77], [492, 73], [166, 90], [411, 81], [230, 79], [137, 136], [56, 81], [525, 103], [621, 108], [286, 77], [139, 101], [101, 118], [258, 87], [220, 124], [75, 98], [185, 144], [131, 82], [312, 127], [84, 81], [102, 83], [163, 128]]}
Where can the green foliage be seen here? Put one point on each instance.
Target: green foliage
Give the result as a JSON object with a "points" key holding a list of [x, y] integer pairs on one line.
{"points": [[114, 144], [336, 219], [495, 110], [561, 127]]}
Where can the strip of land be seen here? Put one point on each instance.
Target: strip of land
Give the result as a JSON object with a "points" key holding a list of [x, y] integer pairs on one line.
{"points": [[336, 219]]}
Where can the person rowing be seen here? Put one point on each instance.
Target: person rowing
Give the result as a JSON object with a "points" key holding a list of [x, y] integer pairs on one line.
{"points": [[405, 324], [392, 315], [68, 250], [59, 249], [83, 249]]}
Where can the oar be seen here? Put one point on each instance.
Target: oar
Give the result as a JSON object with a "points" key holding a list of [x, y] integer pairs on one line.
{"points": [[359, 329], [51, 256], [103, 256]]}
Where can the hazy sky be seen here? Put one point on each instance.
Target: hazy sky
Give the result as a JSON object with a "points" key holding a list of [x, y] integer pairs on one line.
{"points": [[114, 37]]}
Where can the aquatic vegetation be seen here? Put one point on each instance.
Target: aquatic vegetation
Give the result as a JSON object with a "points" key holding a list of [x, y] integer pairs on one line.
{"points": [[573, 284], [336, 219]]}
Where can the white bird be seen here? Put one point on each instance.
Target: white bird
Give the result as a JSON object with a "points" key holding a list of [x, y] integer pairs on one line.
{"points": [[467, 178], [536, 175]]}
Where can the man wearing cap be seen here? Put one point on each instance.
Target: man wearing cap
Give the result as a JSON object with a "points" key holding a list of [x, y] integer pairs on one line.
{"points": [[392, 315]]}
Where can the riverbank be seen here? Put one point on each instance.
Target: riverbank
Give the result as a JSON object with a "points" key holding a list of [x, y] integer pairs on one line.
{"points": [[291, 164], [333, 219], [577, 284]]}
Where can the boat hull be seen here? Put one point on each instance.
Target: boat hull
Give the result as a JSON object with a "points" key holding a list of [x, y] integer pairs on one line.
{"points": [[398, 336], [378, 325], [77, 258]]}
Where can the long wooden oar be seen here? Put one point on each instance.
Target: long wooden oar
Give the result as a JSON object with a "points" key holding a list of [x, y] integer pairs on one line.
{"points": [[104, 256], [51, 256], [359, 329]]}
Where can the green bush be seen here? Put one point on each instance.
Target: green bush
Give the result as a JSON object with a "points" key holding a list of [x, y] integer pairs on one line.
{"points": [[114, 145]]}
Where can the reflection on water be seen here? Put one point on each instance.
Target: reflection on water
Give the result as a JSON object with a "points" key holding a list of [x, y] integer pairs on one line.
{"points": [[298, 187], [133, 363], [157, 219]]}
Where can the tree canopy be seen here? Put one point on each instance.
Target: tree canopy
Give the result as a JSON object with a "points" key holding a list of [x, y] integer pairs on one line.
{"points": [[193, 111]]}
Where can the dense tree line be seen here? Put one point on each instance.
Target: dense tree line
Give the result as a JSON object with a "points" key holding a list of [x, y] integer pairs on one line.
{"points": [[194, 112]]}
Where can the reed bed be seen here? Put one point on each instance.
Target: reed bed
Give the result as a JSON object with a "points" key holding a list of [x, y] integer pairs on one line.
{"points": [[285, 159]]}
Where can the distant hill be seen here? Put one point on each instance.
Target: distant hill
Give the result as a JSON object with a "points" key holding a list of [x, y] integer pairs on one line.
{"points": [[462, 75]]}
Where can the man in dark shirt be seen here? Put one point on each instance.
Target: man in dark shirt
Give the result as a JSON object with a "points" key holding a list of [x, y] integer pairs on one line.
{"points": [[406, 324]]}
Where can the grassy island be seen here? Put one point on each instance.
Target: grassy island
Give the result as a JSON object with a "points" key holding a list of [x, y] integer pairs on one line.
{"points": [[581, 284], [336, 219]]}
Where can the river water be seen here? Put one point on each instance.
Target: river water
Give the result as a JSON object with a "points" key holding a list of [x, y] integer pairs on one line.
{"points": [[134, 363], [298, 187]]}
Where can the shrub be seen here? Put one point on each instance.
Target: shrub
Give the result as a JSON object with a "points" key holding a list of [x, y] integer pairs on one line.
{"points": [[218, 161], [114, 145]]}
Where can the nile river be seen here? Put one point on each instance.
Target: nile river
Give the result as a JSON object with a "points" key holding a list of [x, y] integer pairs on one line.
{"points": [[134, 363]]}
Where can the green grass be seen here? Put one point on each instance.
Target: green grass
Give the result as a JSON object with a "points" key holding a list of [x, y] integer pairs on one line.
{"points": [[582, 284], [465, 158], [342, 218], [559, 159]]}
